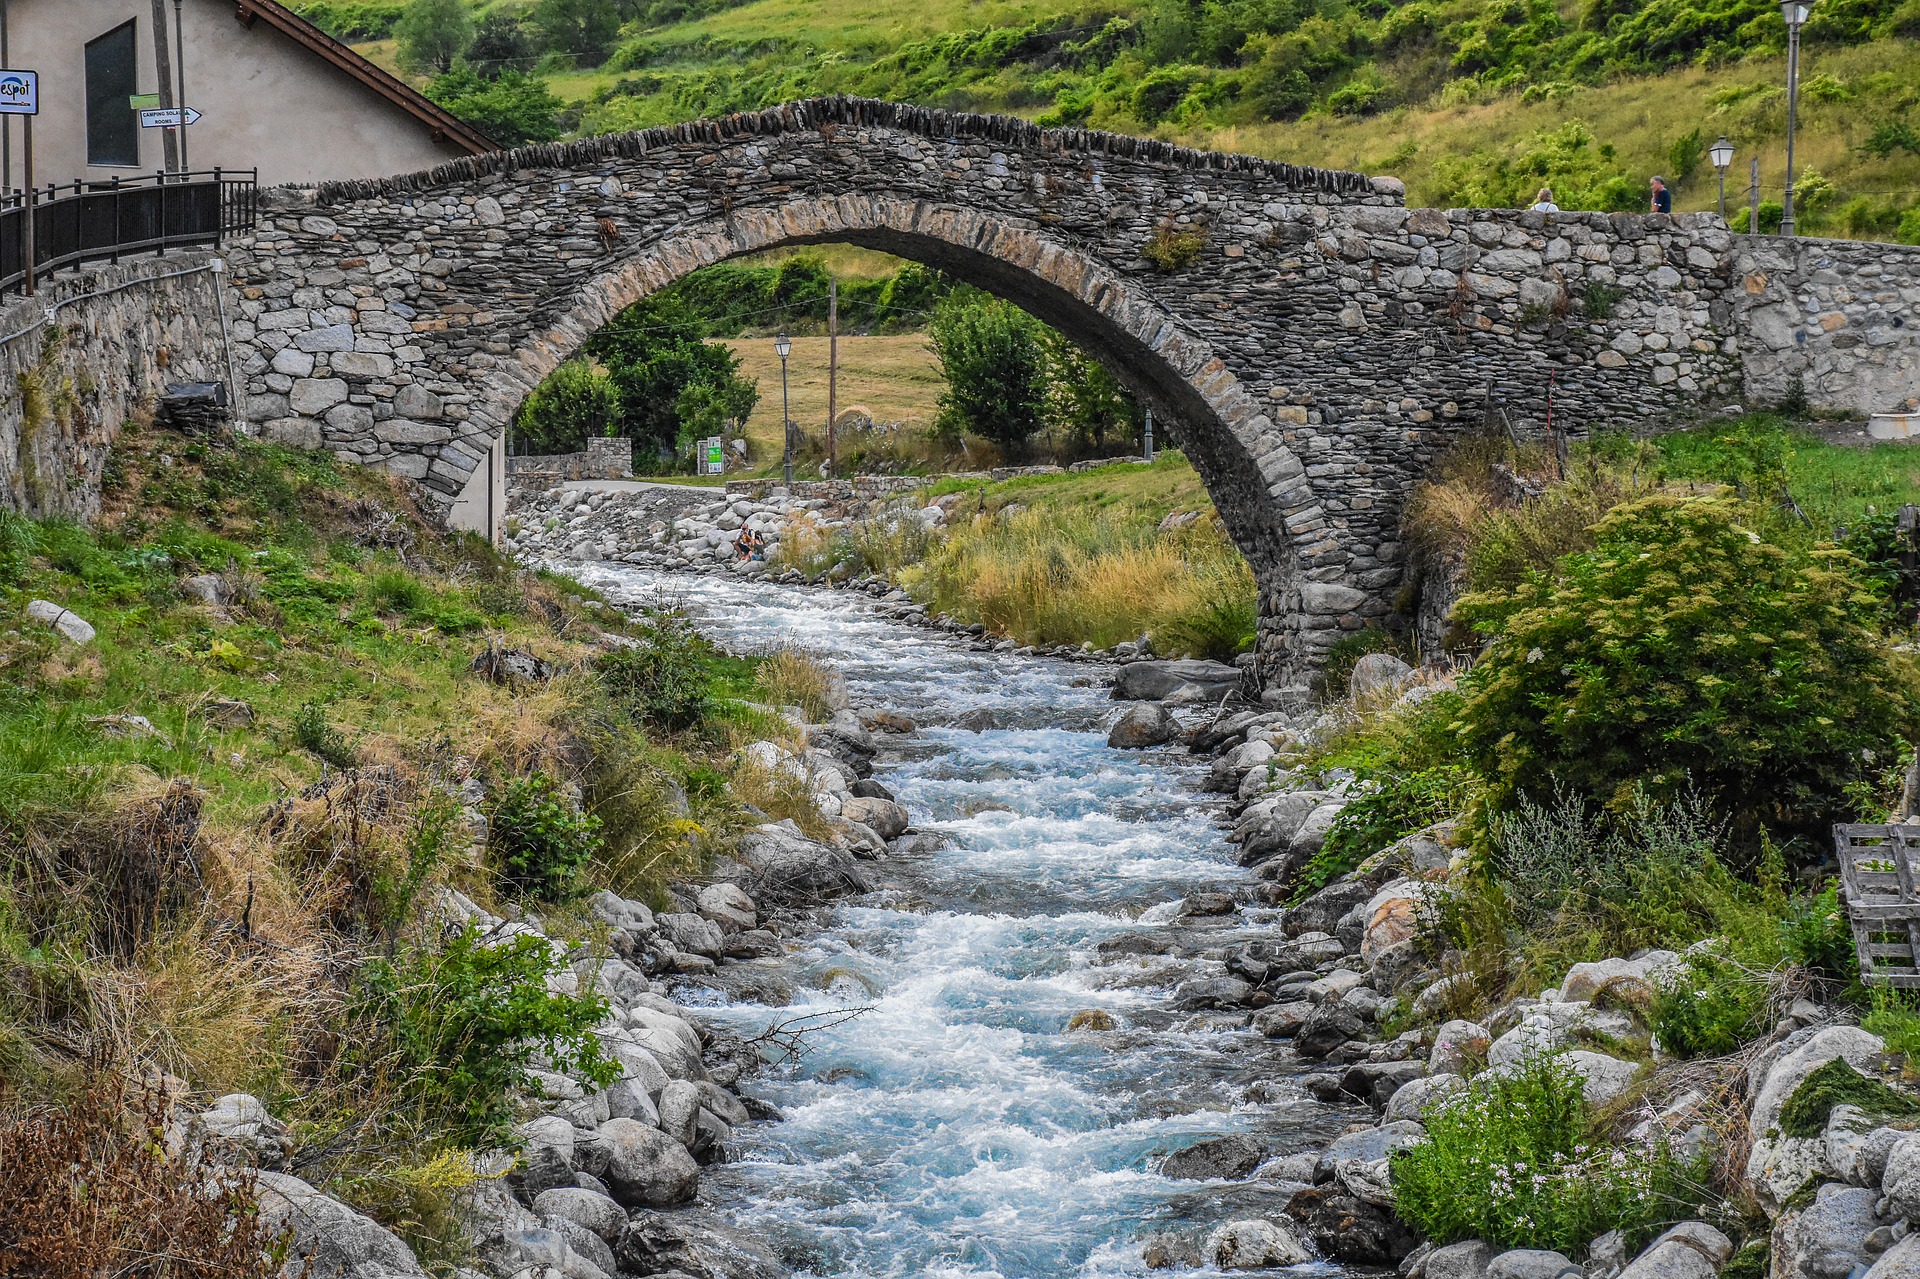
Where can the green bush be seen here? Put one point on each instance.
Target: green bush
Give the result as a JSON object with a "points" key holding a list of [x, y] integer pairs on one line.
{"points": [[511, 107], [469, 1020], [1399, 805], [1709, 1007], [668, 680], [993, 357], [575, 403], [540, 841], [1512, 1160], [1685, 650], [313, 732]]}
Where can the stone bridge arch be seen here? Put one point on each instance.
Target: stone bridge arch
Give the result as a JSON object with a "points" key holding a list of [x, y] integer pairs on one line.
{"points": [[1257, 482], [1318, 342]]}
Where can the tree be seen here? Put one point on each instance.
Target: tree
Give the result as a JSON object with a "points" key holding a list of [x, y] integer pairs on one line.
{"points": [[673, 384], [433, 34], [582, 30], [513, 108], [499, 45], [1685, 652], [576, 403], [993, 357], [1084, 399]]}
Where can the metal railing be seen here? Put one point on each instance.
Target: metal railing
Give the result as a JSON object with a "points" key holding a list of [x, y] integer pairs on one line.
{"points": [[105, 221]]}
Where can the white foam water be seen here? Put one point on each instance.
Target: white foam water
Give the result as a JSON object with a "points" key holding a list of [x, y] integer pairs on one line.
{"points": [[957, 1128]]}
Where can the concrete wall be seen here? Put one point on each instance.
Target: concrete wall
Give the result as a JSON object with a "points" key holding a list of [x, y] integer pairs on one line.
{"points": [[268, 103], [73, 382]]}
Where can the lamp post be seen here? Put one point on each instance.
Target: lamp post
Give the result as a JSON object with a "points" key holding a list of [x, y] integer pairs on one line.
{"points": [[783, 347], [1796, 13], [180, 70], [1721, 153]]}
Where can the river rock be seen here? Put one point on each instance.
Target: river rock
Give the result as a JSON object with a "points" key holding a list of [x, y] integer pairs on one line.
{"points": [[1375, 1082], [335, 1241], [643, 1167], [680, 1111], [1464, 1260], [69, 625], [1531, 1263], [1604, 1079], [1331, 1024], [1858, 1150], [1459, 1048], [1583, 981], [978, 720], [1320, 912], [1312, 834], [1828, 1237], [1254, 1244], [1151, 681], [1282, 1021], [1778, 1164], [1902, 1261], [1142, 726], [867, 788], [1230, 1158], [691, 932], [588, 1208], [1377, 673], [885, 818], [1213, 992], [791, 870], [1691, 1250], [1900, 1180], [1413, 1098], [728, 906], [657, 1244], [1370, 1145]]}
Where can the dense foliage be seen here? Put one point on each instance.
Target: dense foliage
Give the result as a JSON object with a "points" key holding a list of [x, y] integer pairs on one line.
{"points": [[470, 1019], [1512, 1160], [511, 107], [667, 679], [1686, 650], [541, 841], [993, 356], [576, 403]]}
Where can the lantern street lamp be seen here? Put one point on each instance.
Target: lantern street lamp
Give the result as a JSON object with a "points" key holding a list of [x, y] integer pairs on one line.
{"points": [[783, 347], [1796, 12], [1721, 153]]}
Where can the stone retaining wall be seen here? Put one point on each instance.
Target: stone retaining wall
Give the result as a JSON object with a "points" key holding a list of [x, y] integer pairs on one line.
{"points": [[72, 382], [603, 459]]}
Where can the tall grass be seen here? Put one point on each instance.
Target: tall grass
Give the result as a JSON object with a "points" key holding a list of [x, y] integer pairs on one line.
{"points": [[1101, 576]]}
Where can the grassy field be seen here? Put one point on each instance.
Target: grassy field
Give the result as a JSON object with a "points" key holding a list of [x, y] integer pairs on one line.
{"points": [[894, 378]]}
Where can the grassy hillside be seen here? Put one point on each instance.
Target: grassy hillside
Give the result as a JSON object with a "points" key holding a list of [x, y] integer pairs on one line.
{"points": [[1462, 98]]}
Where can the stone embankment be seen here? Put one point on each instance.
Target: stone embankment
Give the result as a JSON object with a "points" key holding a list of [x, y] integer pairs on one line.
{"points": [[1338, 962]]}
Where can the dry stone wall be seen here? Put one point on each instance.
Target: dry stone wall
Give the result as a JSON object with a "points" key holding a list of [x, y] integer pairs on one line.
{"points": [[117, 336], [1314, 342]]}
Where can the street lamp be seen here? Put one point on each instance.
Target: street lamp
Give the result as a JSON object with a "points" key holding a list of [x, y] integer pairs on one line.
{"points": [[1796, 13], [1721, 153], [783, 347]]}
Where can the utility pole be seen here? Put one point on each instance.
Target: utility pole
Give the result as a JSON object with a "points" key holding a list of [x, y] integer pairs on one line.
{"points": [[163, 70], [180, 56], [1753, 198], [833, 370], [6, 122]]}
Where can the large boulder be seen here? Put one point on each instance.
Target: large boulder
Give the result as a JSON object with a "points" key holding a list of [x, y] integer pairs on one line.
{"points": [[1691, 1250], [1584, 981], [1603, 1079], [1220, 1159], [1828, 1237], [1254, 1244], [1151, 681], [1142, 726], [1532, 1263], [1900, 1179], [1459, 1048], [661, 1244], [586, 1208], [1332, 1024], [1779, 1164], [642, 1166], [883, 817], [1378, 673], [1464, 1260], [330, 1239], [789, 869]]}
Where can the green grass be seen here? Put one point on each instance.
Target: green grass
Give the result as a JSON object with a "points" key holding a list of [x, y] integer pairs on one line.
{"points": [[1835, 478]]}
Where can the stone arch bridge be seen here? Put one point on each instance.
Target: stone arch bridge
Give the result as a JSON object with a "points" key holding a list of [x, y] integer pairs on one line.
{"points": [[1316, 342]]}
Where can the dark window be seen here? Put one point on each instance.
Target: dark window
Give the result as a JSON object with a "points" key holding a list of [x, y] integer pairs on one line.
{"points": [[113, 131]]}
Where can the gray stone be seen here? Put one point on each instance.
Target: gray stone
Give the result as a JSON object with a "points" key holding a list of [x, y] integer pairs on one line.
{"points": [[400, 430], [1690, 1250], [1531, 1263], [885, 818], [1378, 673], [1465, 1260], [643, 1167], [1900, 1180], [415, 401], [293, 362], [331, 1239], [1254, 1244], [294, 432], [1373, 1144], [1413, 1098], [727, 906], [311, 397], [1604, 1079], [679, 1110], [334, 337], [1142, 726], [1220, 1159], [691, 932], [1151, 681], [1902, 1261], [69, 625]]}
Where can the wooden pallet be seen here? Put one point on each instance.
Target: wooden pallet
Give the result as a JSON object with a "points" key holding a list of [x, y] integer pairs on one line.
{"points": [[1881, 886]]}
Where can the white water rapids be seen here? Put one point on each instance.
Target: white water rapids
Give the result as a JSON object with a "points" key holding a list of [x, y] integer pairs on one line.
{"points": [[958, 1128]]}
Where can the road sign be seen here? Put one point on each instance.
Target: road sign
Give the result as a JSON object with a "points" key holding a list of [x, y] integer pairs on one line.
{"points": [[143, 101], [716, 459], [167, 118], [19, 93]]}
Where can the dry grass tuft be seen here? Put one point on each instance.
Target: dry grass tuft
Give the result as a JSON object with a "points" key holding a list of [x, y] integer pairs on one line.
{"points": [[788, 677]]}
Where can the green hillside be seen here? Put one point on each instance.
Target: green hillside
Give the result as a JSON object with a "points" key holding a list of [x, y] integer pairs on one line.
{"points": [[1472, 101]]}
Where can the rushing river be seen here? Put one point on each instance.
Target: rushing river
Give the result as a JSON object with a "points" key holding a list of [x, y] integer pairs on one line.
{"points": [[958, 1128]]}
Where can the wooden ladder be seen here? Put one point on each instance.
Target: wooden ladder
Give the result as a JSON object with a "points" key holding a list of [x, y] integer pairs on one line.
{"points": [[1878, 880]]}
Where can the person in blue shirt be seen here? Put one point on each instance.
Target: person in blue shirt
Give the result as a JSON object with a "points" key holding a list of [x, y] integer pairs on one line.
{"points": [[1662, 198]]}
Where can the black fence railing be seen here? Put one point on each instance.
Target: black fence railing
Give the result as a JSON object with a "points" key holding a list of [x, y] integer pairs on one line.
{"points": [[105, 221]]}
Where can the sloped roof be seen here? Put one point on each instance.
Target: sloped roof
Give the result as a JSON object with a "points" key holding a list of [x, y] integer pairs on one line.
{"points": [[445, 126]]}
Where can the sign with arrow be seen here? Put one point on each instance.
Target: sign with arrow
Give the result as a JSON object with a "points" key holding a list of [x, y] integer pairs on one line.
{"points": [[19, 93], [168, 118]]}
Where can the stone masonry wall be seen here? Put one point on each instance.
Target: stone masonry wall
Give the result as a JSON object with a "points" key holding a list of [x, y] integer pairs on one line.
{"points": [[603, 459], [1316, 350], [1841, 316], [71, 383]]}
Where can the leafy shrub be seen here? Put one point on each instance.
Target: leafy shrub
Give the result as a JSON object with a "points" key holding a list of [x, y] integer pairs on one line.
{"points": [[1172, 248], [1709, 1006], [1511, 1160], [1685, 650], [1399, 805], [1894, 1019], [540, 840], [312, 731], [993, 357], [91, 1189], [468, 1021], [1816, 935], [576, 403], [667, 680]]}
